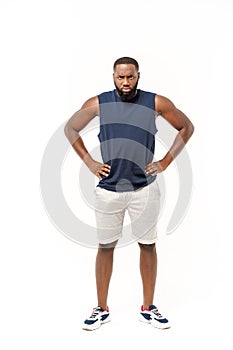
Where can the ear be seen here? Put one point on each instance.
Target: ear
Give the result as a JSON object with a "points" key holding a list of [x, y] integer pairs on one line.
{"points": [[138, 75]]}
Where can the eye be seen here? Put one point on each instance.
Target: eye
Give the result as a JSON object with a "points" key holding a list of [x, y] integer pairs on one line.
{"points": [[131, 77], [120, 77]]}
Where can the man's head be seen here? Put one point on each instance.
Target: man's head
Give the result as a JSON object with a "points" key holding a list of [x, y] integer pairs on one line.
{"points": [[126, 75]]}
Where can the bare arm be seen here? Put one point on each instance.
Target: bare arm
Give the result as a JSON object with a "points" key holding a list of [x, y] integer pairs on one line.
{"points": [[181, 123], [75, 124]]}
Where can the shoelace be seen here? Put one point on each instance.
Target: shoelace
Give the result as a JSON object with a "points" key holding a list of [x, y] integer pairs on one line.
{"points": [[156, 312], [95, 313]]}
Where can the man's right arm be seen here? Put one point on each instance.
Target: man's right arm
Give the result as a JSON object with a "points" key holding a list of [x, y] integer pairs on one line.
{"points": [[75, 124]]}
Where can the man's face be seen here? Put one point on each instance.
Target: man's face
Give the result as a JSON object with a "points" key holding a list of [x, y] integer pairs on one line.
{"points": [[126, 80]]}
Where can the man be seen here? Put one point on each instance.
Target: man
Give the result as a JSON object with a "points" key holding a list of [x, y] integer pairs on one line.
{"points": [[127, 177]]}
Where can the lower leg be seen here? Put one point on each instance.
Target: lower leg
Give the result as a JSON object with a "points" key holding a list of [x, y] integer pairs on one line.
{"points": [[148, 269], [104, 264]]}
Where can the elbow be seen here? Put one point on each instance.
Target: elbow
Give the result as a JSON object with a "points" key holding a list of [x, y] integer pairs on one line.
{"points": [[187, 131], [66, 129], [71, 133], [191, 129]]}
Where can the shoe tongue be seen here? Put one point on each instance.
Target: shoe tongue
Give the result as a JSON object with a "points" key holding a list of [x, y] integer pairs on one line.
{"points": [[152, 307]]}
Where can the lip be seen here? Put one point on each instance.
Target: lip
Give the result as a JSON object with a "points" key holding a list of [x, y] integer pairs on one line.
{"points": [[126, 89]]}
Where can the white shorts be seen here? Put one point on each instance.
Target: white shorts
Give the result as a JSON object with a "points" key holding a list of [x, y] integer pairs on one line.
{"points": [[143, 206]]}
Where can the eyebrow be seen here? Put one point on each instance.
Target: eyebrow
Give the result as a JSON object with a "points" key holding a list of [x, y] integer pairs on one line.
{"points": [[127, 75]]}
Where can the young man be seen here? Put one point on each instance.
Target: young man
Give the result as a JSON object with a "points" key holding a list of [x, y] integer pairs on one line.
{"points": [[127, 177]]}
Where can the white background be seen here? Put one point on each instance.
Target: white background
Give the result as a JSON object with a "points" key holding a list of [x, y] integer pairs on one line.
{"points": [[55, 55]]}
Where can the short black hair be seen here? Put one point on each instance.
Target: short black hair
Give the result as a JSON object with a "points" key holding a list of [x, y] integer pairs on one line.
{"points": [[126, 60]]}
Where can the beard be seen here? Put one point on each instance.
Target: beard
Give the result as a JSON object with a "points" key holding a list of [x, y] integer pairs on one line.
{"points": [[127, 96]]}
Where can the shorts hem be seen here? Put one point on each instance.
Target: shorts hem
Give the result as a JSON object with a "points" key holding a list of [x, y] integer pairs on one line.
{"points": [[110, 240], [147, 241]]}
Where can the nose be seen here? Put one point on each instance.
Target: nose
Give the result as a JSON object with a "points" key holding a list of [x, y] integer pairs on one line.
{"points": [[126, 81]]}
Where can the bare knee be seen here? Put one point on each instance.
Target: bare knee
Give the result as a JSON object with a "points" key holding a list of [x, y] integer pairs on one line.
{"points": [[107, 248], [150, 248]]}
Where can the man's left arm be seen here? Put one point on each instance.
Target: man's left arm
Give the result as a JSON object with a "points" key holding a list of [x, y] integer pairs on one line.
{"points": [[181, 123]]}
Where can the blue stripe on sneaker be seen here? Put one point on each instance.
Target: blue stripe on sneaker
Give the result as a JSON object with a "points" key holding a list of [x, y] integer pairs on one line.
{"points": [[146, 316], [163, 320], [90, 321], [103, 317]]}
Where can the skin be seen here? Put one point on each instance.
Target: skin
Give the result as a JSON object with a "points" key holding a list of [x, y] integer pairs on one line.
{"points": [[125, 77]]}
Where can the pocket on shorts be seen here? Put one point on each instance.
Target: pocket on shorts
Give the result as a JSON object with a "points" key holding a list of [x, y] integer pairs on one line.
{"points": [[157, 189], [107, 201], [101, 195], [154, 190]]}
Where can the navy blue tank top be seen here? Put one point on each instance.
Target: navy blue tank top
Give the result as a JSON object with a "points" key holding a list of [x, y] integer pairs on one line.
{"points": [[127, 139]]}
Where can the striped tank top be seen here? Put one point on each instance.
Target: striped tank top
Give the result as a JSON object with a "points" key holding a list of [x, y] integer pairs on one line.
{"points": [[127, 139]]}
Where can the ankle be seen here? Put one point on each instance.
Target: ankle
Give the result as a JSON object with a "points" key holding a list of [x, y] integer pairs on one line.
{"points": [[105, 307], [146, 306]]}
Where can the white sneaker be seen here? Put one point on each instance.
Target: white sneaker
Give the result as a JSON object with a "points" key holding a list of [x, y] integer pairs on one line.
{"points": [[152, 316], [97, 318]]}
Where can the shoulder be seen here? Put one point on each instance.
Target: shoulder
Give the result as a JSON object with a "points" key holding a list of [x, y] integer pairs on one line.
{"points": [[163, 104], [92, 105], [91, 102]]}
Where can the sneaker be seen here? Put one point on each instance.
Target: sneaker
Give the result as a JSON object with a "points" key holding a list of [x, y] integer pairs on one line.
{"points": [[152, 316], [97, 318]]}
